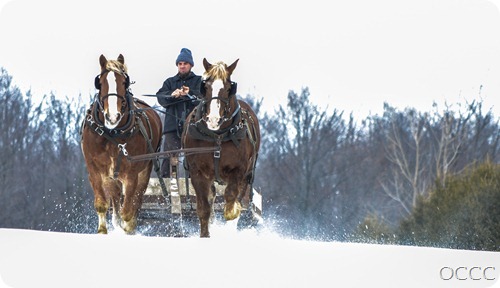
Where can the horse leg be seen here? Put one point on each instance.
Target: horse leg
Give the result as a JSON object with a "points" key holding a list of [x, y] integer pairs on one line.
{"points": [[232, 208], [211, 199], [127, 212], [101, 203], [112, 190], [101, 207], [116, 203], [203, 191], [134, 189]]}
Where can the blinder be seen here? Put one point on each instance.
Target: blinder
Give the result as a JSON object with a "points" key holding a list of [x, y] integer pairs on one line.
{"points": [[232, 90], [97, 80]]}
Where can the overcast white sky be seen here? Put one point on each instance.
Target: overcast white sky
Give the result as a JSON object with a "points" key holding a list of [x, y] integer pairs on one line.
{"points": [[353, 55]]}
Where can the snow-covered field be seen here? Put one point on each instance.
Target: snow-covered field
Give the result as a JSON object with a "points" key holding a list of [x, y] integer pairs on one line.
{"points": [[231, 259]]}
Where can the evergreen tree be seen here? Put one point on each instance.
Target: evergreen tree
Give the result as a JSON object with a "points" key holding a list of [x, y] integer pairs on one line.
{"points": [[464, 214]]}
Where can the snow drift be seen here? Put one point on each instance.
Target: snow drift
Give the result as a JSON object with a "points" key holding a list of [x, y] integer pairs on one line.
{"points": [[231, 259]]}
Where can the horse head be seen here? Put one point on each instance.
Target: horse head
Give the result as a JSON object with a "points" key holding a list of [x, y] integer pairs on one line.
{"points": [[112, 83], [219, 104]]}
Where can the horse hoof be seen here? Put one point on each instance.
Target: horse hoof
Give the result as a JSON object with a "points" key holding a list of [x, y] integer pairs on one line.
{"points": [[231, 214], [129, 230], [102, 230], [129, 226]]}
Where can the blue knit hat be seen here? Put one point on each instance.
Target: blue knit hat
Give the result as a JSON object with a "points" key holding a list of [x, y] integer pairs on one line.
{"points": [[185, 56]]}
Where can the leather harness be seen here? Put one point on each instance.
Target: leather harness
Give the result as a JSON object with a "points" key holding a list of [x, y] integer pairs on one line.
{"points": [[242, 126], [133, 125]]}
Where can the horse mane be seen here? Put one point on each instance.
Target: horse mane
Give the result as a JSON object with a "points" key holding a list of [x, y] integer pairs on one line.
{"points": [[116, 66], [217, 71]]}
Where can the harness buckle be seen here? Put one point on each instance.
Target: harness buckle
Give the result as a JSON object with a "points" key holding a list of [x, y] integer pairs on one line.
{"points": [[99, 130], [217, 154], [236, 128], [90, 119]]}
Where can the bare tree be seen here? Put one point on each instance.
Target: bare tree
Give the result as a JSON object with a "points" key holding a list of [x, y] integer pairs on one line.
{"points": [[405, 150], [450, 135]]}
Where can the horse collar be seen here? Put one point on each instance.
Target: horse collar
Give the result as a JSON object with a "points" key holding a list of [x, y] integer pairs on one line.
{"points": [[124, 131], [235, 132]]}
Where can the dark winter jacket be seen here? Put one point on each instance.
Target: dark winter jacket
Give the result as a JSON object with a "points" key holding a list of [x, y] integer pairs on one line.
{"points": [[178, 108]]}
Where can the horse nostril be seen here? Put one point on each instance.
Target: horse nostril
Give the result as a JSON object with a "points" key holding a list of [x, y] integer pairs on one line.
{"points": [[113, 118]]}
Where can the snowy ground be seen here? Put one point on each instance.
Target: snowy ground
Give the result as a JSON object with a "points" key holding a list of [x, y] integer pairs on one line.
{"points": [[231, 259]]}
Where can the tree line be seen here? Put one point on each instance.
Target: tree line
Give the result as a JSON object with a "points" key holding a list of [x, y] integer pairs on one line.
{"points": [[323, 174], [43, 182]]}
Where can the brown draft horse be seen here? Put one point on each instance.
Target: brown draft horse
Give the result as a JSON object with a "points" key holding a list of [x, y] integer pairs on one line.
{"points": [[117, 125], [232, 126]]}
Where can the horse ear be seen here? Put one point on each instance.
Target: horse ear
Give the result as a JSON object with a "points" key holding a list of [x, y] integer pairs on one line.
{"points": [[121, 59], [103, 61], [206, 64], [231, 67]]}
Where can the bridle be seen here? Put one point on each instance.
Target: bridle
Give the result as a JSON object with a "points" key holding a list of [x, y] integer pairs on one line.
{"points": [[227, 103], [126, 103]]}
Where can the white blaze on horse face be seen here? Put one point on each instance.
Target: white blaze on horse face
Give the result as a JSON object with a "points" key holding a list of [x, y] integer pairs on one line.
{"points": [[112, 115], [214, 116]]}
